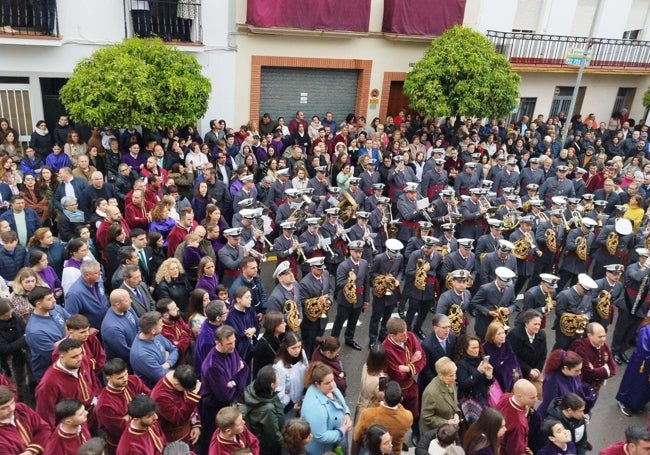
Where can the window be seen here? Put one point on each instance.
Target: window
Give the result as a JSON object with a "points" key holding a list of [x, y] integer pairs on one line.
{"points": [[631, 34], [624, 98], [526, 107], [562, 100], [171, 20], [15, 107]]}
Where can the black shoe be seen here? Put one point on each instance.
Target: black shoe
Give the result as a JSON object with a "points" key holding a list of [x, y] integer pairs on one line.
{"points": [[354, 345], [618, 358], [624, 409], [372, 345], [420, 334]]}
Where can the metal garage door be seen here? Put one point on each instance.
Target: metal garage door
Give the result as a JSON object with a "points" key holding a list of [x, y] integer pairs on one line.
{"points": [[312, 90]]}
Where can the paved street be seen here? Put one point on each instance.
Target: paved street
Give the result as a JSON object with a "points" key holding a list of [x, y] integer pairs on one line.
{"points": [[606, 427]]}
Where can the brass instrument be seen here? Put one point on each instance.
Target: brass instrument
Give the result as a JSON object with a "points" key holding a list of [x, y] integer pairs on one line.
{"points": [[551, 240], [392, 228], [383, 285], [324, 247], [526, 206], [510, 221], [449, 279], [350, 290], [420, 275], [502, 317], [317, 307], [347, 207], [300, 215], [489, 208], [612, 242], [454, 215], [603, 304], [263, 257], [264, 239], [299, 251], [572, 324], [442, 249], [541, 216], [549, 303], [292, 316], [370, 241], [565, 223], [581, 248], [576, 218], [522, 246], [455, 318]]}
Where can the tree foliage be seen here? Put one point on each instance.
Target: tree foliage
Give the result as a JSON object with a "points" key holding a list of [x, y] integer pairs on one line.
{"points": [[646, 98], [138, 82], [461, 74]]}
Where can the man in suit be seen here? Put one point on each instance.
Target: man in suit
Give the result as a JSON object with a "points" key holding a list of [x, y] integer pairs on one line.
{"points": [[441, 342], [141, 300], [145, 255], [68, 186]]}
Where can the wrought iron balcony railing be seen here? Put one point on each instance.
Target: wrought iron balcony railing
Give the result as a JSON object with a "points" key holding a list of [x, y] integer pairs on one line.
{"points": [[21, 18], [550, 50], [171, 20]]}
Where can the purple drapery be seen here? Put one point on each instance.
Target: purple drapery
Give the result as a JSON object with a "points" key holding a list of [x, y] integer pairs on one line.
{"points": [[341, 15], [422, 17]]}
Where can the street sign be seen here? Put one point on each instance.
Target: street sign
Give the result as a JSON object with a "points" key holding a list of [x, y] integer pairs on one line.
{"points": [[576, 56]]}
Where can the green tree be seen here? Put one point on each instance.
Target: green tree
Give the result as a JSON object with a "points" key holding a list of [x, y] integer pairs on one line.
{"points": [[137, 82], [461, 74], [646, 98]]}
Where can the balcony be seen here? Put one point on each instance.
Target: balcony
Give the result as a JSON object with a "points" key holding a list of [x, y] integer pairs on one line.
{"points": [[529, 49], [28, 18], [174, 21]]}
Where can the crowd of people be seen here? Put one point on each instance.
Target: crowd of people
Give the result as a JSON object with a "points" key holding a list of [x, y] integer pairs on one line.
{"points": [[134, 319]]}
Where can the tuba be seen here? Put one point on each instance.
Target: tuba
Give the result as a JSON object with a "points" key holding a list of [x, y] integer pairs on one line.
{"points": [[347, 207], [290, 310], [581, 248], [317, 307], [456, 318], [612, 242], [522, 246], [383, 285], [551, 240], [572, 324], [603, 304], [420, 275], [350, 291]]}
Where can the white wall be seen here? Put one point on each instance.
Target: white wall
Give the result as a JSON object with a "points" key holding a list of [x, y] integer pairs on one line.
{"points": [[498, 15]]}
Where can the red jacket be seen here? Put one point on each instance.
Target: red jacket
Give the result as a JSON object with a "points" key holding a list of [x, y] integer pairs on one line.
{"points": [[221, 446], [177, 411]]}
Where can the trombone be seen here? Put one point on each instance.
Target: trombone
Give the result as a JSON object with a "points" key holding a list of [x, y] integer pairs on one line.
{"points": [[325, 247], [263, 257]]}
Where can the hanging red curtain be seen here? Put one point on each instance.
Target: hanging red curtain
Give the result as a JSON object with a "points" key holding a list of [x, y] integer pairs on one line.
{"points": [[332, 15], [422, 17]]}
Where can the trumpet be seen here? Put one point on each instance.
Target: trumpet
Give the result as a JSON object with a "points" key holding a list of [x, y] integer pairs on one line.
{"points": [[264, 239], [484, 202], [263, 257], [565, 223], [299, 251], [370, 240], [324, 247]]}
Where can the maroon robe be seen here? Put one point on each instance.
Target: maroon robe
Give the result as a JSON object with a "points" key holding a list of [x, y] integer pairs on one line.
{"points": [[593, 361], [93, 356], [179, 334], [111, 409], [30, 432], [62, 443], [58, 383], [139, 442], [397, 355], [177, 411], [515, 440], [221, 446]]}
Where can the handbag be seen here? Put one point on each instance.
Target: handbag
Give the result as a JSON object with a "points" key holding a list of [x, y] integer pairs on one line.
{"points": [[494, 394], [471, 409]]}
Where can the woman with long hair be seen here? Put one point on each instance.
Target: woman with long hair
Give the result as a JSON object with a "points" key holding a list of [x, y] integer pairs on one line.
{"points": [[11, 146], [207, 276], [268, 345], [9, 174], [74, 147], [634, 392], [161, 221], [264, 414], [474, 376], [325, 409], [482, 437], [38, 262], [327, 352], [561, 376], [243, 319], [200, 200], [290, 365], [172, 283], [44, 241], [378, 441], [24, 282], [373, 370], [528, 343], [502, 358], [296, 434], [115, 239], [195, 311]]}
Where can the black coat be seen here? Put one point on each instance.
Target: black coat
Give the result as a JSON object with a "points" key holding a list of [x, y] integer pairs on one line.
{"points": [[265, 350], [433, 352], [471, 383], [530, 355], [41, 144], [177, 289]]}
